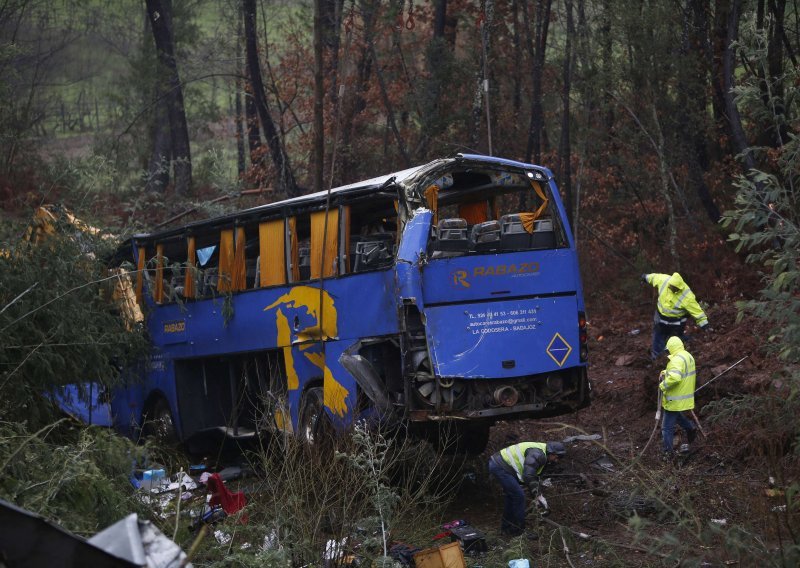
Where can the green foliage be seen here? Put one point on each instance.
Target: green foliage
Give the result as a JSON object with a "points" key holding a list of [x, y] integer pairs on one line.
{"points": [[75, 477], [58, 323], [765, 221]]}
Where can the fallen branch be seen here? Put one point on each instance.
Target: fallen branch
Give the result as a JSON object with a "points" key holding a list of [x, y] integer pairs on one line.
{"points": [[8, 305]]}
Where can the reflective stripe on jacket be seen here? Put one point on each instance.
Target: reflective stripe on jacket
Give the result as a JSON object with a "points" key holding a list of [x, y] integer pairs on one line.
{"points": [[676, 305], [515, 456], [679, 381]]}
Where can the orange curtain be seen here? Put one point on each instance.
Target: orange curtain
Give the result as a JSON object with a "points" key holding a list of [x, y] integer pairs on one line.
{"points": [[158, 288], [346, 229], [239, 272], [272, 261], [294, 253], [432, 197], [225, 261], [529, 218], [323, 261], [474, 213], [191, 269], [140, 267]]}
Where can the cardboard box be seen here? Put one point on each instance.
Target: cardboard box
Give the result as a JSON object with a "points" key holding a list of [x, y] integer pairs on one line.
{"points": [[447, 556]]}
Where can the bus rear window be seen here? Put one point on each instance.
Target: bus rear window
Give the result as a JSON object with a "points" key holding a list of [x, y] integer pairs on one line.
{"points": [[490, 212]]}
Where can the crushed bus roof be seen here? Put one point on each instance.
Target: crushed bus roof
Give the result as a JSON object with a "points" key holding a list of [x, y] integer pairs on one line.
{"points": [[365, 186]]}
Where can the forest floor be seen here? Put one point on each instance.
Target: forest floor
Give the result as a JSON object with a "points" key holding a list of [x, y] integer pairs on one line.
{"points": [[600, 482]]}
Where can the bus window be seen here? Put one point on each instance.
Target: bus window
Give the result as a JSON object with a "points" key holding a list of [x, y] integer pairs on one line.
{"points": [[373, 235], [492, 212]]}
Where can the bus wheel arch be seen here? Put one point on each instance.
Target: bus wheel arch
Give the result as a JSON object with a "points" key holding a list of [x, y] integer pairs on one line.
{"points": [[157, 419]]}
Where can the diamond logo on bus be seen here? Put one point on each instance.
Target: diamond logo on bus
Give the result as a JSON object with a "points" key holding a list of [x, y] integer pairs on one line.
{"points": [[559, 349]]}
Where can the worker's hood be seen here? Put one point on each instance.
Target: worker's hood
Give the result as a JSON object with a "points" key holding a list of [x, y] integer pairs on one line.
{"points": [[674, 344], [677, 281]]}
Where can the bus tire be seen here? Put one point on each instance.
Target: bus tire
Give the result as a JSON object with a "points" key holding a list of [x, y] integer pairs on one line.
{"points": [[158, 422], [312, 425]]}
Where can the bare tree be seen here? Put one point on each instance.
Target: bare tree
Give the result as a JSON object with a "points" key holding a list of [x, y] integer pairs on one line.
{"points": [[280, 160], [160, 14], [537, 45]]}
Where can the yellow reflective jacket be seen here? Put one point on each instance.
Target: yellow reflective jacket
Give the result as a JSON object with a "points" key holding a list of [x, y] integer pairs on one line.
{"points": [[678, 379], [516, 458], [675, 305]]}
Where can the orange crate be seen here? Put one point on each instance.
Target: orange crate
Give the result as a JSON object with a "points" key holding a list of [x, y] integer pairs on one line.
{"points": [[447, 556]]}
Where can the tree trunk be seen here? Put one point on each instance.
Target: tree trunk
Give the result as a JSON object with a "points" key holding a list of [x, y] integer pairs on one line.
{"points": [[319, 99], [734, 120], [241, 161], [692, 98], [388, 106], [357, 104], [435, 55], [482, 83], [331, 19], [565, 151], [541, 25], [160, 14], [286, 182]]}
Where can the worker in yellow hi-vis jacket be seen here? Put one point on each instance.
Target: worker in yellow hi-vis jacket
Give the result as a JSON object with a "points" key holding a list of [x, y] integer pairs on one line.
{"points": [[675, 301], [677, 384]]}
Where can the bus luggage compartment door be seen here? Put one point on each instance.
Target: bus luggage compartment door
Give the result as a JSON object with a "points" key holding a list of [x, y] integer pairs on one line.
{"points": [[504, 339]]}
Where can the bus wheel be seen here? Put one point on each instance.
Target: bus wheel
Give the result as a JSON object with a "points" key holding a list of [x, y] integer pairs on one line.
{"points": [[158, 422], [312, 423]]}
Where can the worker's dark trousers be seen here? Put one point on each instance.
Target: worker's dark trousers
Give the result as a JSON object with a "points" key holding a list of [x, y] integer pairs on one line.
{"points": [[513, 522], [668, 427], [662, 332]]}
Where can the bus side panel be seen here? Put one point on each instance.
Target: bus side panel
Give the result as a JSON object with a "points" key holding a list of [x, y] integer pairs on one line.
{"points": [[494, 276], [354, 306], [504, 339]]}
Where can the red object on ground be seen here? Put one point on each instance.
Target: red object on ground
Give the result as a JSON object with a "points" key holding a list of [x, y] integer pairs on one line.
{"points": [[220, 495]]}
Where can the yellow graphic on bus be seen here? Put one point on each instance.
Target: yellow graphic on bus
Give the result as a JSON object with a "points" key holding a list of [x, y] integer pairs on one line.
{"points": [[293, 325]]}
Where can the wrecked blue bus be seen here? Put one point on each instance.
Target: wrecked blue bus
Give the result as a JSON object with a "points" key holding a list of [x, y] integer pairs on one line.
{"points": [[444, 294]]}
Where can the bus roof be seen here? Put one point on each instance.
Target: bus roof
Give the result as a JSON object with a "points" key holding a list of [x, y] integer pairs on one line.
{"points": [[367, 186]]}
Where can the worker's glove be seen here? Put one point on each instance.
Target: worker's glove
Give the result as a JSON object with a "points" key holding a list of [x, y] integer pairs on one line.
{"points": [[533, 488], [707, 329], [644, 278]]}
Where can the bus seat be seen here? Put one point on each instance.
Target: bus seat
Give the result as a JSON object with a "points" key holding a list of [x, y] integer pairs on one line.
{"points": [[304, 262], [451, 235], [373, 251], [485, 236], [513, 235], [544, 237]]}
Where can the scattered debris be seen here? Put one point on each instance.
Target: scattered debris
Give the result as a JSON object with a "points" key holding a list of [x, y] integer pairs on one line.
{"points": [[447, 556], [624, 360], [519, 563], [634, 332], [721, 522], [220, 495], [627, 504], [581, 438], [603, 463], [140, 543], [222, 537]]}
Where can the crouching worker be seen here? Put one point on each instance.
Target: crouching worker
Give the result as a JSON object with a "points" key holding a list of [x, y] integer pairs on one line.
{"points": [[677, 393], [518, 465]]}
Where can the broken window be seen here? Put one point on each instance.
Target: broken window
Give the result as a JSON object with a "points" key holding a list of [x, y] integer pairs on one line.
{"points": [[492, 211]]}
